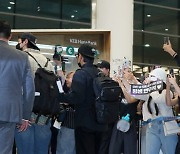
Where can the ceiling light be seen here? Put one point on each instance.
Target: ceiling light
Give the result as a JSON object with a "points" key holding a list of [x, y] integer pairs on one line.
{"points": [[11, 3], [72, 16], [147, 45], [148, 15], [75, 11], [9, 7], [166, 29]]}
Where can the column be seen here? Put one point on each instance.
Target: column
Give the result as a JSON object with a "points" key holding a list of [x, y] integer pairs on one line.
{"points": [[116, 16]]}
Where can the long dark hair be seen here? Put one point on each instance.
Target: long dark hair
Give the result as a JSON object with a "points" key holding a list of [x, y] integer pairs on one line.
{"points": [[155, 105]]}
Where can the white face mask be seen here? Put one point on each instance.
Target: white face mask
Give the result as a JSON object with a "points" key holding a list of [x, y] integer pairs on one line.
{"points": [[153, 78]]}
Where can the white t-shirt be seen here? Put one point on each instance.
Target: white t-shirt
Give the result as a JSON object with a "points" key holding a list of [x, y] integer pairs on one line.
{"points": [[160, 100]]}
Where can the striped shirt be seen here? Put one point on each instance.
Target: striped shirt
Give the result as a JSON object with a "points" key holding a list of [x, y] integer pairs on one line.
{"points": [[69, 118]]}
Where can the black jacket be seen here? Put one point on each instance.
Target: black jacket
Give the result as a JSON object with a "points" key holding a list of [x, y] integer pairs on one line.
{"points": [[82, 95], [177, 59]]}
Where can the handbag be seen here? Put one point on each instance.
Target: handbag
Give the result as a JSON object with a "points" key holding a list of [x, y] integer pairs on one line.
{"points": [[171, 128], [123, 124]]}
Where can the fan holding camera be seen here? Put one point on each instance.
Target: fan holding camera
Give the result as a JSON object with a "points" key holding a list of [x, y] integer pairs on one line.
{"points": [[58, 67]]}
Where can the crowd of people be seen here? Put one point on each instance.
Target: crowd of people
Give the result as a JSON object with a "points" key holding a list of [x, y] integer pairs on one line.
{"points": [[75, 130]]}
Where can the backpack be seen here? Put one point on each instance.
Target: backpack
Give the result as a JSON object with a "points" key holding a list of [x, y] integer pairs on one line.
{"points": [[46, 102], [107, 92]]}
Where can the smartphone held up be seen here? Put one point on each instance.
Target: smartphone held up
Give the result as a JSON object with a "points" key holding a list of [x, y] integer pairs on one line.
{"points": [[166, 40]]}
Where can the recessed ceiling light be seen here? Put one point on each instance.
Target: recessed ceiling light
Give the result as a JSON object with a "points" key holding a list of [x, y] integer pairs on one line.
{"points": [[72, 16], [147, 45], [9, 7], [166, 29], [75, 11], [142, 30], [148, 15], [11, 3]]}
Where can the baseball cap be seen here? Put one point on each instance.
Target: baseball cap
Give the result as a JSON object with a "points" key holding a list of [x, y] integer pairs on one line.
{"points": [[103, 64], [31, 38], [87, 50]]}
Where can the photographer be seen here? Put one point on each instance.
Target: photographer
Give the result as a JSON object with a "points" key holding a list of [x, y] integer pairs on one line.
{"points": [[37, 137], [58, 71], [87, 130], [58, 67], [66, 132]]}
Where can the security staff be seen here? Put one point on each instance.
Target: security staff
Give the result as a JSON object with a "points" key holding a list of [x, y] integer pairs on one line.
{"points": [[16, 90], [87, 130]]}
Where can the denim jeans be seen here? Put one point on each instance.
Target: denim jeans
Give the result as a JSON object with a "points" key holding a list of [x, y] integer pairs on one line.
{"points": [[66, 141], [143, 140], [35, 140], [156, 140]]}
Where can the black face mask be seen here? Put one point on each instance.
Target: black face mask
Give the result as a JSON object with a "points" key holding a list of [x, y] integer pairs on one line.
{"points": [[18, 47], [79, 64]]}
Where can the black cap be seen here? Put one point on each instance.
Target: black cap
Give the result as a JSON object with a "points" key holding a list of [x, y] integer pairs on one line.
{"points": [[32, 40], [103, 64], [87, 50]]}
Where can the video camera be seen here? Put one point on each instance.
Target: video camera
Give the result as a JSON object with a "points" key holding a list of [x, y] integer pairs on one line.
{"points": [[58, 56]]}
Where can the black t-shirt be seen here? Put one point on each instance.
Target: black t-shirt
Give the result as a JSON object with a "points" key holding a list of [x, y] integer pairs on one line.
{"points": [[130, 108]]}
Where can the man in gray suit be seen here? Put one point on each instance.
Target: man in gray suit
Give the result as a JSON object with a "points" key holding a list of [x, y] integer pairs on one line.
{"points": [[16, 90]]}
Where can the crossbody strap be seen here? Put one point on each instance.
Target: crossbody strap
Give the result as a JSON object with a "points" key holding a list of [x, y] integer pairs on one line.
{"points": [[37, 61]]}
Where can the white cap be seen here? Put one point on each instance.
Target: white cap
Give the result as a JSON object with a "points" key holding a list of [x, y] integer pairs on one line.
{"points": [[159, 73]]}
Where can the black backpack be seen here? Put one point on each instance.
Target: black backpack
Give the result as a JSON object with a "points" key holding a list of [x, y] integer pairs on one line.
{"points": [[107, 92], [45, 84]]}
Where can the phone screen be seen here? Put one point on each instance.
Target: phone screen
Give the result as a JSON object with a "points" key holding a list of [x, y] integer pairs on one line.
{"points": [[120, 71], [171, 71], [166, 40]]}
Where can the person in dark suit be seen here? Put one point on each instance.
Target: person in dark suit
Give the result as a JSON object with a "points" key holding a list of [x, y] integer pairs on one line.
{"points": [[16, 90], [87, 130]]}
